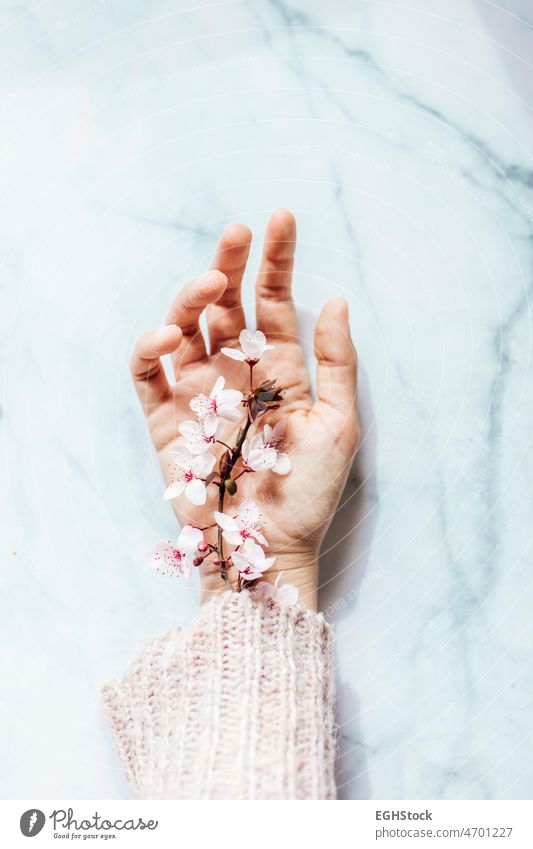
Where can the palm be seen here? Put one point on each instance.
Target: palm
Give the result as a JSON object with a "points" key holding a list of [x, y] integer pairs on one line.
{"points": [[295, 508]]}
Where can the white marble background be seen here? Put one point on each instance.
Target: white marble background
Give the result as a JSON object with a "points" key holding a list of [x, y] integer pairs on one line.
{"points": [[400, 135]]}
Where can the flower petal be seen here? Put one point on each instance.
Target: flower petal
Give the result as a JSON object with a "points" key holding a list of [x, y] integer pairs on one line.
{"points": [[259, 537], [163, 557], [267, 563], [232, 397], [253, 574], [282, 466], [264, 590], [189, 429], [248, 343], [232, 536], [195, 491], [218, 387], [256, 442], [253, 552], [189, 538], [249, 512], [199, 447], [174, 490], [210, 423], [267, 433], [253, 344], [202, 465], [200, 404], [186, 568], [230, 414], [193, 432], [262, 459], [181, 453], [287, 595], [234, 354], [225, 521], [241, 564]]}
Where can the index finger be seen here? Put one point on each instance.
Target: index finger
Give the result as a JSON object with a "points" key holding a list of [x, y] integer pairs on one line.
{"points": [[186, 310], [146, 367]]}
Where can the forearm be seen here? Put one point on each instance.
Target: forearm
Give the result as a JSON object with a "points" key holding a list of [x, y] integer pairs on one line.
{"points": [[238, 706]]}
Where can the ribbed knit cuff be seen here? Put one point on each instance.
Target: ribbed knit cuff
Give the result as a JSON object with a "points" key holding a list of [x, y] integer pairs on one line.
{"points": [[237, 706]]}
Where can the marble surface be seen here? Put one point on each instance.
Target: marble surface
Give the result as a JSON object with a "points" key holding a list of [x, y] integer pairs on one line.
{"points": [[400, 135]]}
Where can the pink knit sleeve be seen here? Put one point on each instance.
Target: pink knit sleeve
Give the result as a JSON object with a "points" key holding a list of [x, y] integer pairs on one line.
{"points": [[237, 706]]}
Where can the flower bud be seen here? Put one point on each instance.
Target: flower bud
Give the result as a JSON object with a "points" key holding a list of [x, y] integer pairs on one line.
{"points": [[217, 561], [223, 466], [197, 561], [253, 408], [231, 486], [202, 546], [269, 397]]}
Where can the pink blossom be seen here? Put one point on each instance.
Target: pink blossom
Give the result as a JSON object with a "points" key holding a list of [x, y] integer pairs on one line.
{"points": [[285, 595], [253, 347], [250, 560], [170, 560], [261, 452], [245, 524], [190, 469], [219, 404], [197, 439]]}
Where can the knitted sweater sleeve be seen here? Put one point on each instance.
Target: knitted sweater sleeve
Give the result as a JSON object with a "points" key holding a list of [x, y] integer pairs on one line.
{"points": [[240, 705]]}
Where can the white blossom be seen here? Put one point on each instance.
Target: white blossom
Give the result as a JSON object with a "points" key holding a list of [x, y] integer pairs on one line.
{"points": [[253, 346], [190, 469], [176, 560], [219, 404], [261, 452], [243, 526], [250, 560], [285, 595], [197, 440]]}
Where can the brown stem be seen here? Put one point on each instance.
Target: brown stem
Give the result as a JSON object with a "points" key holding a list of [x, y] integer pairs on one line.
{"points": [[235, 453], [220, 541], [225, 444]]}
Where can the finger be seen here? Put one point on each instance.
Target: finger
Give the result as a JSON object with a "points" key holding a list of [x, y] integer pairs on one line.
{"points": [[146, 367], [336, 361], [186, 310], [225, 318], [274, 306]]}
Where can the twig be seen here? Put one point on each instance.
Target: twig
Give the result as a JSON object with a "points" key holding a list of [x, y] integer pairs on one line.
{"points": [[235, 453], [225, 444]]}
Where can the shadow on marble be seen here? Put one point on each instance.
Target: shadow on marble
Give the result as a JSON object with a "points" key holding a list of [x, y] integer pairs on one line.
{"points": [[343, 573]]}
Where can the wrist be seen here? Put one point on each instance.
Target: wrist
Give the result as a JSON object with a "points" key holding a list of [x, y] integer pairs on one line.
{"points": [[299, 569]]}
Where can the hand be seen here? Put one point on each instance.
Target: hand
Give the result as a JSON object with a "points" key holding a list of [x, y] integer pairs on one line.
{"points": [[321, 435]]}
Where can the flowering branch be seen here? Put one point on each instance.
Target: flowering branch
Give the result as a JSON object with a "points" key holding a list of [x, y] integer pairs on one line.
{"points": [[226, 468], [194, 465]]}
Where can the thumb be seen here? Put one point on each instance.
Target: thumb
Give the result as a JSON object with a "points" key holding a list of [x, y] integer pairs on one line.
{"points": [[336, 376]]}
